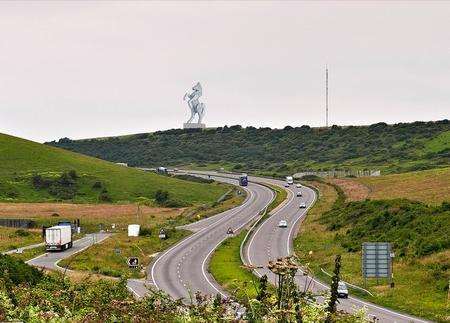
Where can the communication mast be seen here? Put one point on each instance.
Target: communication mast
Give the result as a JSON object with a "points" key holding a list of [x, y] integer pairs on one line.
{"points": [[326, 93]]}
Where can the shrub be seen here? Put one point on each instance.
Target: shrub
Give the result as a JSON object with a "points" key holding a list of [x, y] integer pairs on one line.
{"points": [[14, 271], [22, 233], [97, 185], [145, 232], [161, 197]]}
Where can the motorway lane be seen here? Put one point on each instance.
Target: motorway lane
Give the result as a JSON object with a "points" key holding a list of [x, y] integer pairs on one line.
{"points": [[50, 260], [270, 242], [183, 269]]}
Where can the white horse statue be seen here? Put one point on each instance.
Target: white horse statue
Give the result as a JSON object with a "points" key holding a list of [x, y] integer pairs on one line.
{"points": [[197, 108]]}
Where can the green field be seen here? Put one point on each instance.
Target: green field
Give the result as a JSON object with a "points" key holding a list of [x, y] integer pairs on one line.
{"points": [[21, 160], [421, 268]]}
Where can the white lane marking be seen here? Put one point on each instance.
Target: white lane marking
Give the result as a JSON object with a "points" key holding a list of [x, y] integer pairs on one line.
{"points": [[215, 247], [262, 224], [204, 263], [288, 248], [233, 212]]}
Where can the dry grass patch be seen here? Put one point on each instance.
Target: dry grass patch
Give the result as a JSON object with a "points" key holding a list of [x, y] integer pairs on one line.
{"points": [[353, 190], [429, 186], [90, 215]]}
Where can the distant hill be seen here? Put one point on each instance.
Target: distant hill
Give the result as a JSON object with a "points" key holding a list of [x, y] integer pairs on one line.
{"points": [[32, 172], [393, 148]]}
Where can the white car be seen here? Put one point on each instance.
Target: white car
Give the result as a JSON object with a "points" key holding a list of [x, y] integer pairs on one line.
{"points": [[298, 185], [282, 224], [299, 193], [303, 205], [342, 290], [286, 185]]}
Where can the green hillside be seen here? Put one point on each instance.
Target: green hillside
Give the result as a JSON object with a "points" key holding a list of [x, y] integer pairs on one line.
{"points": [[32, 172], [392, 148]]}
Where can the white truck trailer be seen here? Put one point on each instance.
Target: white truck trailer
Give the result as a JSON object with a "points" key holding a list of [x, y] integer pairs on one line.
{"points": [[289, 180], [58, 237]]}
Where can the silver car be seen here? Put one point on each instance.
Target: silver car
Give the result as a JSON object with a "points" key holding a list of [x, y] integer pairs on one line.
{"points": [[282, 224], [342, 290], [303, 205]]}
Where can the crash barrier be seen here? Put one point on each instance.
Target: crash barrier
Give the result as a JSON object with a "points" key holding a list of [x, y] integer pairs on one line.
{"points": [[18, 223]]}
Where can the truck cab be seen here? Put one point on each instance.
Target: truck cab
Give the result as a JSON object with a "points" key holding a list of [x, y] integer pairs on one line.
{"points": [[243, 180]]}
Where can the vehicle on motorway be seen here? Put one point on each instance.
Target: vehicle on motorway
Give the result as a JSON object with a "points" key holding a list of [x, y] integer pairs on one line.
{"points": [[162, 170], [342, 290], [298, 185], [289, 180], [303, 205], [286, 185], [282, 224], [243, 180], [299, 193], [58, 237]]}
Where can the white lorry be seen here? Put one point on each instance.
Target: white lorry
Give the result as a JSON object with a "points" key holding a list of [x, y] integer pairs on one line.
{"points": [[289, 180], [58, 237]]}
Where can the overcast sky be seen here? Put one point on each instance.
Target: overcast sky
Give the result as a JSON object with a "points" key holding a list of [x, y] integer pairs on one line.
{"points": [[86, 69]]}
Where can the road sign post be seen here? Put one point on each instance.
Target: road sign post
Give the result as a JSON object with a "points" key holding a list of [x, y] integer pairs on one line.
{"points": [[133, 262], [377, 260]]}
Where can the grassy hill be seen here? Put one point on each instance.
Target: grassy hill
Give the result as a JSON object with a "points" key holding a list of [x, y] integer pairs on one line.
{"points": [[32, 172], [392, 148]]}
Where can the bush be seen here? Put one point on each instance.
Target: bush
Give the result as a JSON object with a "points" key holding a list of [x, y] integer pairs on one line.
{"points": [[104, 196], [22, 233], [97, 185], [145, 232], [161, 197], [14, 271], [414, 228]]}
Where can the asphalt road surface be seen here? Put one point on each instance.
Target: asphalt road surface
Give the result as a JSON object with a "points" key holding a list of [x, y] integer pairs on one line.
{"points": [[50, 260], [270, 242], [183, 269]]}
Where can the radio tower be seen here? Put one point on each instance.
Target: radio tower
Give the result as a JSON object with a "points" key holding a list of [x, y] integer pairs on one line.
{"points": [[326, 93]]}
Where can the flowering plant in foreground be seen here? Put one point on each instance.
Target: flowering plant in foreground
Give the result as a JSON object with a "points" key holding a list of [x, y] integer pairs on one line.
{"points": [[54, 298]]}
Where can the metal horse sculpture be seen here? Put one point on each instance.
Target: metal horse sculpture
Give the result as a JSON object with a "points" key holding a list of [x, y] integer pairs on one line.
{"points": [[197, 108]]}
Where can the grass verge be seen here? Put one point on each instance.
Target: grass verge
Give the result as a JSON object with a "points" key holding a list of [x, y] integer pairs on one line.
{"points": [[226, 264], [227, 269], [109, 257]]}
